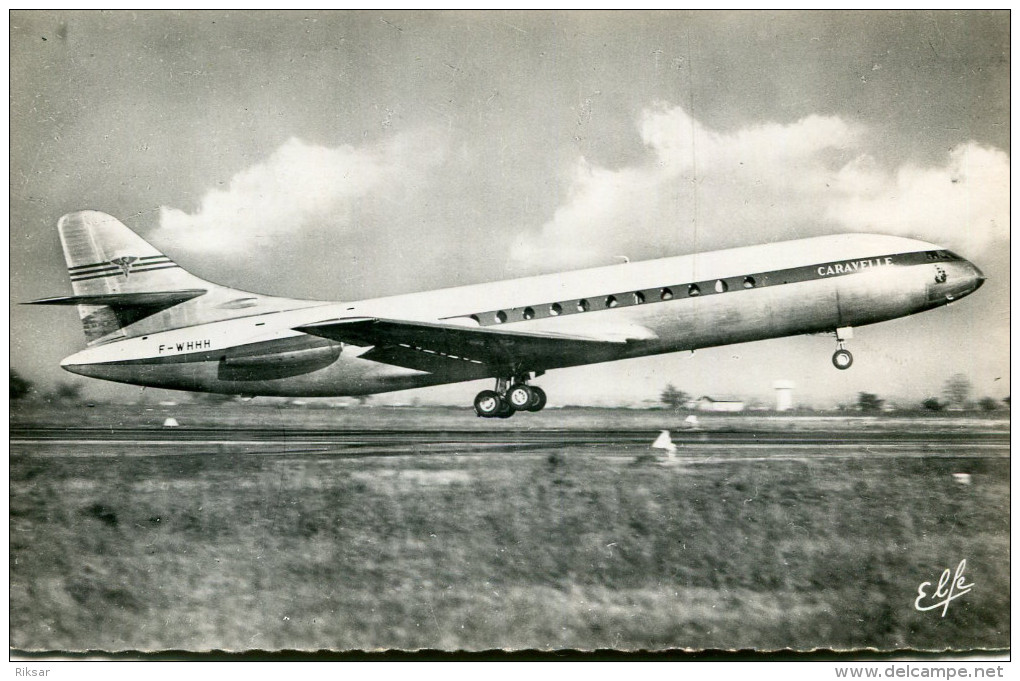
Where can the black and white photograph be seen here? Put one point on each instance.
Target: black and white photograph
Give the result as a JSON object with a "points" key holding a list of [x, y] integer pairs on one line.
{"points": [[672, 334]]}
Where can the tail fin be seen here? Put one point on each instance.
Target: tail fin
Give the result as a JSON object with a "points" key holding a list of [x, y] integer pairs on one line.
{"points": [[110, 264], [105, 257], [119, 279]]}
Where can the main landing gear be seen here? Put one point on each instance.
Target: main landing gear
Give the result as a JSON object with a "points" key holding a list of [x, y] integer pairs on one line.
{"points": [[842, 359], [510, 395]]}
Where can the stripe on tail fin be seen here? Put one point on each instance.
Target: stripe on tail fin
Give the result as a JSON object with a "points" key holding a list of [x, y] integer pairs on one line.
{"points": [[125, 264]]}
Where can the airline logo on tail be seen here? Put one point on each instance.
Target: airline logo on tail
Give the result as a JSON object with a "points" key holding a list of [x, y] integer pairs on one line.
{"points": [[123, 265]]}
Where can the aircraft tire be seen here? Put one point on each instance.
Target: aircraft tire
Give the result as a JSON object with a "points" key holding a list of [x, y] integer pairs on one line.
{"points": [[520, 396], [537, 399], [488, 404], [842, 359], [506, 409]]}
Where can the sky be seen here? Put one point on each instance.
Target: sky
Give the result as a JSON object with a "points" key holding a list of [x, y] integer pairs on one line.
{"points": [[346, 155]]}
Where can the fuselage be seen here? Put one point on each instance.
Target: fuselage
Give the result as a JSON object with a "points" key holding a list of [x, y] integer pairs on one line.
{"points": [[652, 307]]}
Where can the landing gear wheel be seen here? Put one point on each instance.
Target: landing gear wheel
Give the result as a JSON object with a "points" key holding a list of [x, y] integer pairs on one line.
{"points": [[488, 404], [842, 359], [506, 410], [520, 396], [538, 399]]}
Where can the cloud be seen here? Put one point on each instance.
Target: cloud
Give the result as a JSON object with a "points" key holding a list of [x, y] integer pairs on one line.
{"points": [[699, 189], [964, 203], [301, 186], [695, 189]]}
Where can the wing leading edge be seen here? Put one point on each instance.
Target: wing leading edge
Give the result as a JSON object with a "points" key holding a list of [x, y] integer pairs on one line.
{"points": [[428, 346]]}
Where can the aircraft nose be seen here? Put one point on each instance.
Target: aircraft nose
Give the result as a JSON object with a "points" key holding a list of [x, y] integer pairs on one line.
{"points": [[955, 279], [968, 278], [977, 275]]}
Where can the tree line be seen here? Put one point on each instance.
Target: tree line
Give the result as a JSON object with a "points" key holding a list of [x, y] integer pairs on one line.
{"points": [[64, 391], [956, 395]]}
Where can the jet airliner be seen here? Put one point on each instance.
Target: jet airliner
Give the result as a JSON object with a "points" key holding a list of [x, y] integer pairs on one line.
{"points": [[149, 322]]}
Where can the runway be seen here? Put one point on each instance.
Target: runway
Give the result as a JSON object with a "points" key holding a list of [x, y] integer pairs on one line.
{"points": [[78, 441]]}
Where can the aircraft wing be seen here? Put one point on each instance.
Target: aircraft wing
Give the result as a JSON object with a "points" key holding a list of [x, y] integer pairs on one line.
{"points": [[427, 346]]}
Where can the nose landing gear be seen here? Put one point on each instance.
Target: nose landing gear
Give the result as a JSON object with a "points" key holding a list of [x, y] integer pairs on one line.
{"points": [[511, 395], [842, 359]]}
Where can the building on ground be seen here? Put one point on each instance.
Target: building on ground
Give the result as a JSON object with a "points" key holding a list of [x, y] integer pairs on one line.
{"points": [[711, 404]]}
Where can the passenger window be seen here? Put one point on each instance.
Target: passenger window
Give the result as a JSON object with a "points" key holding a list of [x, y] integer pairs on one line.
{"points": [[666, 294], [500, 317], [555, 310], [611, 301], [720, 286], [639, 298], [693, 290], [475, 319], [529, 313], [748, 282], [583, 306]]}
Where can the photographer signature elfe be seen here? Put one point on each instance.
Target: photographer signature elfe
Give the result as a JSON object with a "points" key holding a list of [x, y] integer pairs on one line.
{"points": [[946, 590]]}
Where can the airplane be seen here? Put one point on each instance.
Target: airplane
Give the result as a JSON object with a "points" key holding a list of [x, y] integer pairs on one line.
{"points": [[149, 322]]}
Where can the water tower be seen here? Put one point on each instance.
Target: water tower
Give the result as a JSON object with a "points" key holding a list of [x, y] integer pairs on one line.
{"points": [[784, 395]]}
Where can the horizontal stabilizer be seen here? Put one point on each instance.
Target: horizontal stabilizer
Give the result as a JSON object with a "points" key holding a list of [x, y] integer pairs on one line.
{"points": [[162, 299], [103, 314], [496, 348]]}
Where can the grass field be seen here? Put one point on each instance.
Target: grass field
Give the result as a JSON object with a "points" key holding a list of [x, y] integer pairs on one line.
{"points": [[511, 549]]}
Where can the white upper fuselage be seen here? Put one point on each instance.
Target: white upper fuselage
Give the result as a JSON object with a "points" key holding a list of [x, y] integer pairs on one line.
{"points": [[743, 294]]}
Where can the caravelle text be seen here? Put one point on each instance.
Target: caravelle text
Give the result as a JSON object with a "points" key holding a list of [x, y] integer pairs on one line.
{"points": [[852, 266]]}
